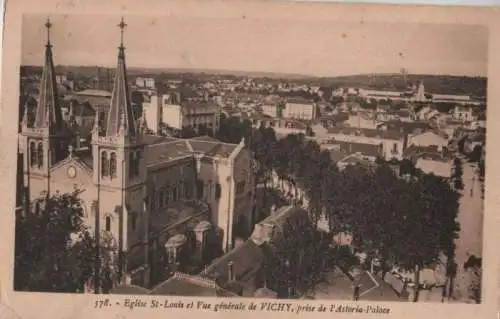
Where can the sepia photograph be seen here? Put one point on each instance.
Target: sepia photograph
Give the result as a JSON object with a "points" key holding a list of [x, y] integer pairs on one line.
{"points": [[251, 158]]}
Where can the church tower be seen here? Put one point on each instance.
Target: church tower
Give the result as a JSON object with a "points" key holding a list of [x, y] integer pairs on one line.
{"points": [[44, 139], [118, 164]]}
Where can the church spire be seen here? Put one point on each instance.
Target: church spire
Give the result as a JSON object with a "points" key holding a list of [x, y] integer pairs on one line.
{"points": [[121, 118], [48, 113]]}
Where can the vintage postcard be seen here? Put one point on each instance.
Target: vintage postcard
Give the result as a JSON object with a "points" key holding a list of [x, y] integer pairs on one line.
{"points": [[248, 158]]}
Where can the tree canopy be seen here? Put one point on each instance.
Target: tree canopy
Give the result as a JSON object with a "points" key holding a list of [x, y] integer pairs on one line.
{"points": [[55, 251], [405, 218]]}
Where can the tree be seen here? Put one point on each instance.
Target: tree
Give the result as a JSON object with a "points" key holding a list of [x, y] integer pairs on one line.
{"points": [[297, 261], [54, 250], [475, 155], [457, 172], [408, 223], [473, 266]]}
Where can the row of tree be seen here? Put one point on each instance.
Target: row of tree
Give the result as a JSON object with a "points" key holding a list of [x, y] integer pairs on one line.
{"points": [[403, 221]]}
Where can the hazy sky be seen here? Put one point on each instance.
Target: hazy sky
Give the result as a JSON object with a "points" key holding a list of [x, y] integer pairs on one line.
{"points": [[286, 46]]}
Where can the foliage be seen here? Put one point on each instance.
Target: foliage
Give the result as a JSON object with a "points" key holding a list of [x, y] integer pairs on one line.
{"points": [[298, 259], [457, 172], [54, 250], [406, 221], [473, 266]]}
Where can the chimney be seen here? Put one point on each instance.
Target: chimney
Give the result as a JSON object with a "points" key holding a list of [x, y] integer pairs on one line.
{"points": [[230, 271]]}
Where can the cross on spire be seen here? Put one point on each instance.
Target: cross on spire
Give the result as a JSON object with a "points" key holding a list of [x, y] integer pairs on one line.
{"points": [[122, 26], [48, 25]]}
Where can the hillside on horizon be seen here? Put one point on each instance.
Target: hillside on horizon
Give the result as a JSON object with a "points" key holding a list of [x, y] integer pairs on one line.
{"points": [[443, 84]]}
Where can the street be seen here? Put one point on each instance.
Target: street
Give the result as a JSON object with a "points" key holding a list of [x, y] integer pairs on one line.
{"points": [[470, 217]]}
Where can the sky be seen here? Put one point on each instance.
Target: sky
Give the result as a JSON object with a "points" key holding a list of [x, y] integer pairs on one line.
{"points": [[320, 48]]}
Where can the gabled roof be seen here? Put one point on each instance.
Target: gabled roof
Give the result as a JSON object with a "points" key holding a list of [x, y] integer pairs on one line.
{"points": [[167, 151], [406, 127], [129, 290], [181, 284], [247, 260], [371, 133]]}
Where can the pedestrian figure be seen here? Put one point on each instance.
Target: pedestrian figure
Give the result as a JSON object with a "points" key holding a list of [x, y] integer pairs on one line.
{"points": [[356, 292]]}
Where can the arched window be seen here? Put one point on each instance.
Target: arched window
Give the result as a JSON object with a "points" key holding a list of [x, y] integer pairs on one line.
{"points": [[174, 193], [108, 223], [39, 153], [181, 190], [209, 190], [131, 164], [153, 199], [134, 221], [163, 197], [188, 190], [199, 188], [136, 163], [112, 165], [33, 156], [104, 164], [170, 194], [217, 191]]}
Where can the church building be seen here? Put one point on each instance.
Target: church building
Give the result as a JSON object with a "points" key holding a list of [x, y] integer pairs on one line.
{"points": [[157, 199]]}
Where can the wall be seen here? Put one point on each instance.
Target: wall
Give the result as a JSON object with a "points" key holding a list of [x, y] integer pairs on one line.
{"points": [[172, 115], [427, 139], [243, 196], [387, 144], [152, 110], [438, 168], [299, 111]]}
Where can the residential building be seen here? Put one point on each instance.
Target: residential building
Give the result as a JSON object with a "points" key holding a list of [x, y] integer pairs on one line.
{"points": [[428, 138], [362, 120], [272, 110], [148, 83], [464, 113], [241, 272], [300, 109], [391, 143], [171, 110]]}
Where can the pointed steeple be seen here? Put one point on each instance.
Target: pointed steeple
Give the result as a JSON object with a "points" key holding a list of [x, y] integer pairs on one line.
{"points": [[48, 112], [121, 118]]}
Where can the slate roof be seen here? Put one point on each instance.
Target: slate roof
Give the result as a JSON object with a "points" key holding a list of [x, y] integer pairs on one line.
{"points": [[129, 290], [407, 127], [371, 133], [413, 152], [247, 260], [336, 155], [297, 100], [352, 147], [181, 284], [92, 100], [166, 151]]}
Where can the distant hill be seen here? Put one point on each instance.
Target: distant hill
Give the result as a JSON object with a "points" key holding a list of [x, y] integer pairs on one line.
{"points": [[443, 84]]}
